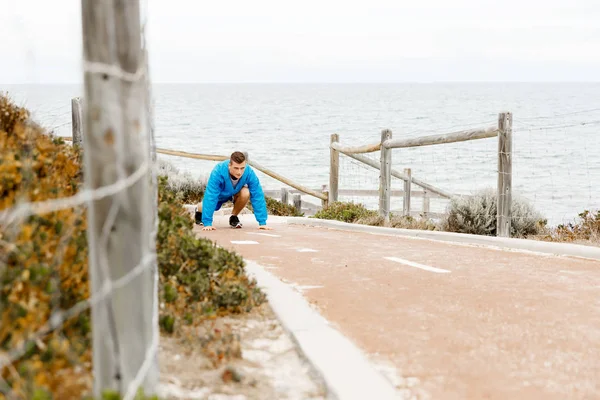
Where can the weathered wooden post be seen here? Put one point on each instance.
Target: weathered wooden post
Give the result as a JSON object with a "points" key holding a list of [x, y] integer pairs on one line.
{"points": [[503, 221], [426, 203], [116, 150], [297, 199], [407, 188], [77, 121], [325, 202], [385, 177], [285, 195], [334, 169]]}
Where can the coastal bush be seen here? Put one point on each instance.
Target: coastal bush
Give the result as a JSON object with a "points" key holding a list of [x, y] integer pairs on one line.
{"points": [[191, 188], [44, 265], [345, 212], [276, 207], [477, 215]]}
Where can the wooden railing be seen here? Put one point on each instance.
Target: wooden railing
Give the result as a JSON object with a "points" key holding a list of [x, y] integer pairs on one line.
{"points": [[503, 131]]}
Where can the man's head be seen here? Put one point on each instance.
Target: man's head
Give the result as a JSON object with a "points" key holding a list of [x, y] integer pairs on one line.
{"points": [[237, 164]]}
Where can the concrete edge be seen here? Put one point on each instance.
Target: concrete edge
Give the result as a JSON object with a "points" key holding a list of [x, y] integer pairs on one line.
{"points": [[526, 245], [341, 365]]}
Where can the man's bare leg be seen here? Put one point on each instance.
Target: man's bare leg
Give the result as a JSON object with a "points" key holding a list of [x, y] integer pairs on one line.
{"points": [[240, 200]]}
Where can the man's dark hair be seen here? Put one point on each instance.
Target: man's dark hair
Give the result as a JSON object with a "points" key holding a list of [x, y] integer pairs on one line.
{"points": [[238, 157]]}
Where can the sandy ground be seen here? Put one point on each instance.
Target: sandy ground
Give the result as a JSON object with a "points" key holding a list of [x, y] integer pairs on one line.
{"points": [[264, 363]]}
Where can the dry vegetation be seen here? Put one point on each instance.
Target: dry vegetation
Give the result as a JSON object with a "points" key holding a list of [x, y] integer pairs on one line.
{"points": [[43, 266], [190, 188], [477, 215], [586, 230]]}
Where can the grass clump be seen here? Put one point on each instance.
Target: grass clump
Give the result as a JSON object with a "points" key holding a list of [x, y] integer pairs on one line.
{"points": [[345, 212], [477, 215], [358, 214], [44, 265], [276, 207], [399, 221]]}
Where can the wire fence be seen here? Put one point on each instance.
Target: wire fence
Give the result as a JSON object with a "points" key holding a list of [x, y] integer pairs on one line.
{"points": [[556, 164], [78, 230]]}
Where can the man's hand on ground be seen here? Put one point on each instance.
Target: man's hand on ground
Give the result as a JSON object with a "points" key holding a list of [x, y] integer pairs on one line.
{"points": [[209, 228], [265, 228]]}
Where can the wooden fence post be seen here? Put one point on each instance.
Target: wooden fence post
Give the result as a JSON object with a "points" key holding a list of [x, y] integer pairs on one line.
{"points": [[426, 203], [297, 199], [407, 187], [77, 121], [285, 195], [503, 221], [116, 146], [334, 170], [325, 203], [385, 177]]}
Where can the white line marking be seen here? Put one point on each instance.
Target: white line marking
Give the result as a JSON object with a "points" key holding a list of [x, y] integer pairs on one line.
{"points": [[417, 265], [244, 242], [306, 287], [263, 234], [307, 251]]}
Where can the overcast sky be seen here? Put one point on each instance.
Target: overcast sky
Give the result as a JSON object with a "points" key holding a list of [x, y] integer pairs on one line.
{"points": [[322, 41]]}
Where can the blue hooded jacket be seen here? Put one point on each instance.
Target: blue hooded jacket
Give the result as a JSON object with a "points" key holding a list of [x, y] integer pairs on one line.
{"points": [[219, 189]]}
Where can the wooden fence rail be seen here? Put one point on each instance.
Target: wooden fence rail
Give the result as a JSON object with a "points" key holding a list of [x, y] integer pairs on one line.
{"points": [[461, 136]]}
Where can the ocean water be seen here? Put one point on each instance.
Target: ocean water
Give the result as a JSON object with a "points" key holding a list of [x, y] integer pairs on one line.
{"points": [[287, 128]]}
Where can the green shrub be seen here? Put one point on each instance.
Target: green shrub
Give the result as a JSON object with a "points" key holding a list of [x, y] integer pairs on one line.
{"points": [[275, 207], [477, 215], [346, 212]]}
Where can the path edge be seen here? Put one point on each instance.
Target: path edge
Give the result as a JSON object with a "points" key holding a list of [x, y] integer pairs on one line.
{"points": [[550, 248], [343, 368]]}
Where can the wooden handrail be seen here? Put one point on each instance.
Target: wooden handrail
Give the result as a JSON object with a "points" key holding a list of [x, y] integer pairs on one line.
{"points": [[461, 136], [207, 157], [215, 157], [367, 148]]}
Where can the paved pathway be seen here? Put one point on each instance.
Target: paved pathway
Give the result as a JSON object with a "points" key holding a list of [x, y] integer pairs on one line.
{"points": [[462, 322]]}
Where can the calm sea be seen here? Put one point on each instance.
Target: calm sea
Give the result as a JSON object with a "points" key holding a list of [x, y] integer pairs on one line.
{"points": [[287, 128]]}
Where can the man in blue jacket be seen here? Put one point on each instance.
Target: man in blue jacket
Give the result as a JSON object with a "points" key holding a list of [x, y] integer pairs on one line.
{"points": [[232, 180]]}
